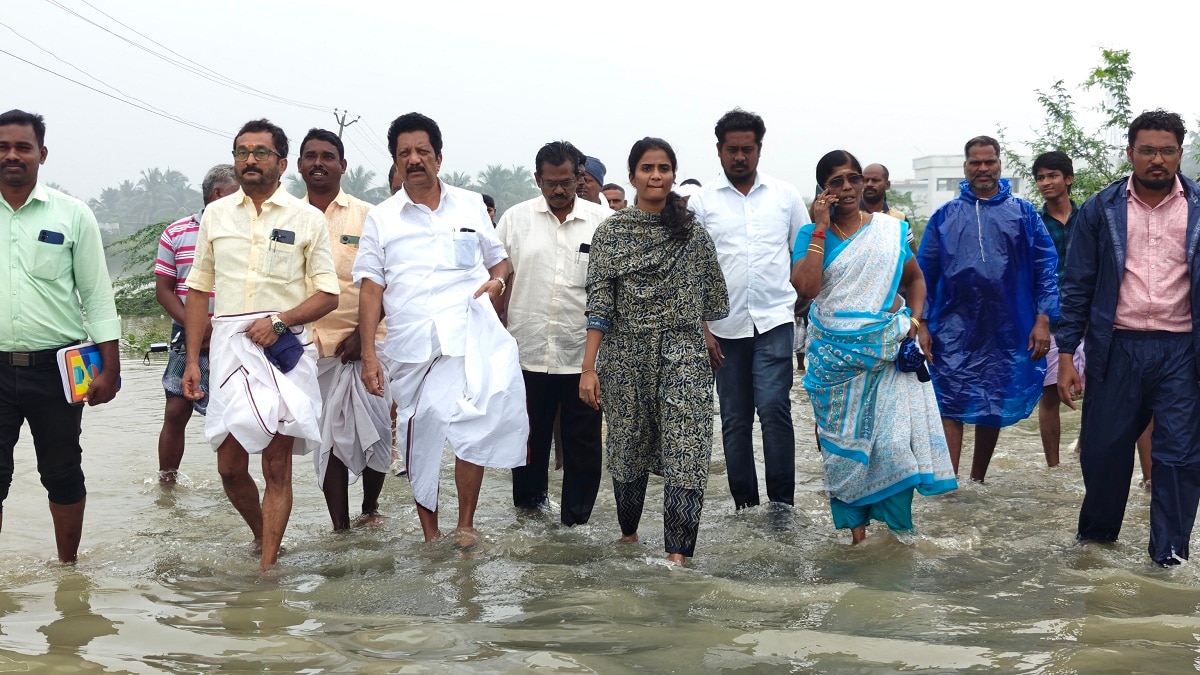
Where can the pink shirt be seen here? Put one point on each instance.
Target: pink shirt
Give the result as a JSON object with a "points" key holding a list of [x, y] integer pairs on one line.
{"points": [[1156, 291]]}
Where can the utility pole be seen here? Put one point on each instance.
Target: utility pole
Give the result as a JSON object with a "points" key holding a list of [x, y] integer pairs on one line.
{"points": [[342, 123]]}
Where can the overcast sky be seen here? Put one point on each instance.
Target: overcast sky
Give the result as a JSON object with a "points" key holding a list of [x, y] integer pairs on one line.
{"points": [[888, 81]]}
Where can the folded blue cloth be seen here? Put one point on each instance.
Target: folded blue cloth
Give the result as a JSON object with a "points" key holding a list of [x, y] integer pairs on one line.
{"points": [[911, 359], [286, 352]]}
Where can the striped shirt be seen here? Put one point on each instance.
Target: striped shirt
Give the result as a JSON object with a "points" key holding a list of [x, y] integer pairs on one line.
{"points": [[176, 252]]}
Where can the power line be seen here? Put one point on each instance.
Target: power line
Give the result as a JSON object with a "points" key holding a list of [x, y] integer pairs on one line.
{"points": [[367, 157], [96, 79], [117, 98], [282, 99], [216, 78]]}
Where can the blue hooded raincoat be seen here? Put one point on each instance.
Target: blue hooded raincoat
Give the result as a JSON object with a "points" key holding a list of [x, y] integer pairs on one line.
{"points": [[989, 267]]}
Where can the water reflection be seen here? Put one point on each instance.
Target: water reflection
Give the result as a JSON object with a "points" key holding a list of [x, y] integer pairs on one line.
{"points": [[167, 581]]}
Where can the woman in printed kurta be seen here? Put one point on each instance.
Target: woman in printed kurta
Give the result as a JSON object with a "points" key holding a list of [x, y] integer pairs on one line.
{"points": [[653, 279], [879, 429]]}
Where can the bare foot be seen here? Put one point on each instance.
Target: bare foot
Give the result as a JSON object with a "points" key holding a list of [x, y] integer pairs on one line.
{"points": [[628, 539], [1144, 484], [256, 547], [372, 518], [675, 559], [465, 537], [858, 534], [167, 478]]}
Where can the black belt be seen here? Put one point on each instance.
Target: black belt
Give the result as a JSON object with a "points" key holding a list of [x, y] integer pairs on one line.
{"points": [[26, 359]]}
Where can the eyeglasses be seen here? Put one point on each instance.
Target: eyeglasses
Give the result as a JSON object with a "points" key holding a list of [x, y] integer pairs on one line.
{"points": [[552, 185], [837, 182], [260, 154], [1146, 151]]}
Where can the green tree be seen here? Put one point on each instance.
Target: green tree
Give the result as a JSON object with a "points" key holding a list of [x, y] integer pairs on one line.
{"points": [[357, 181], [905, 202], [459, 179], [508, 186], [134, 286], [1097, 153]]}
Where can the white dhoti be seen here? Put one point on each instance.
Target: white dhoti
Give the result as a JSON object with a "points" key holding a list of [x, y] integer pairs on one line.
{"points": [[475, 402], [251, 399], [356, 427]]}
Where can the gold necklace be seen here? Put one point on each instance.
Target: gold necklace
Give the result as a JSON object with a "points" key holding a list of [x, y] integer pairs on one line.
{"points": [[842, 233]]}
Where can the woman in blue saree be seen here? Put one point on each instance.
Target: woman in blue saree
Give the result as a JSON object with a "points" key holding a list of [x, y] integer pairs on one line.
{"points": [[879, 429]]}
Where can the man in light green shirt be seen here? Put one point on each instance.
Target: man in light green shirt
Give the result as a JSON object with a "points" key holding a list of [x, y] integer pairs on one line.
{"points": [[51, 263]]}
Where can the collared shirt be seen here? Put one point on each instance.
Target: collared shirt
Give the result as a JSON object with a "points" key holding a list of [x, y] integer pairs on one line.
{"points": [[55, 261], [430, 263], [1061, 234], [753, 234], [345, 216], [1155, 292], [549, 292], [176, 252], [267, 260]]}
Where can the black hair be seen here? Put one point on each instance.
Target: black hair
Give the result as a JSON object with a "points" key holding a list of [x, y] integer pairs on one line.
{"points": [[886, 174], [1054, 161], [327, 136], [489, 202], [1158, 120], [740, 120], [26, 119], [675, 214], [613, 186], [558, 152], [692, 181], [414, 121], [278, 138], [832, 160], [981, 140]]}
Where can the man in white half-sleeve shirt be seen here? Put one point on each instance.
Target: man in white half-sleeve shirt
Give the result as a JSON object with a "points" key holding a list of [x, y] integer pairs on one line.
{"points": [[753, 220], [548, 239], [430, 261]]}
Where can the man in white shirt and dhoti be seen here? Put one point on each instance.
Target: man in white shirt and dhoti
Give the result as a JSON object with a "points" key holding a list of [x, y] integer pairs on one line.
{"points": [[265, 249], [429, 260]]}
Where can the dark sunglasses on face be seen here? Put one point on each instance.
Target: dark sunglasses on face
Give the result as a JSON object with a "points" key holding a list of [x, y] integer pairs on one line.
{"points": [[837, 182]]}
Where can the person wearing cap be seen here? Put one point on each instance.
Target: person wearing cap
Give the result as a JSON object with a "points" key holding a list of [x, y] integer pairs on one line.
{"points": [[591, 179]]}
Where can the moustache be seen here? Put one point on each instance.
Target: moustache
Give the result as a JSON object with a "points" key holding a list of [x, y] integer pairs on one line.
{"points": [[415, 169], [5, 165], [251, 169]]}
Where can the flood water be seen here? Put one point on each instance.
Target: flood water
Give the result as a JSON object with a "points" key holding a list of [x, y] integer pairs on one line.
{"points": [[166, 581]]}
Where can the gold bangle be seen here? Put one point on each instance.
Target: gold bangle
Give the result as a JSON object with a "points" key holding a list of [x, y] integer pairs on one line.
{"points": [[916, 322], [587, 370]]}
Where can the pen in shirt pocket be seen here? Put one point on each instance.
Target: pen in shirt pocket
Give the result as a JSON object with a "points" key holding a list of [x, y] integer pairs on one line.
{"points": [[584, 249]]}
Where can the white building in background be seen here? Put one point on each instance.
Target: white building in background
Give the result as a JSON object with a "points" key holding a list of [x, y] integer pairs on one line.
{"points": [[935, 182]]}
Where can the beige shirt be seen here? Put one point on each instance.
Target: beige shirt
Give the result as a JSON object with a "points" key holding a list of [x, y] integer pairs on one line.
{"points": [[267, 260], [548, 297], [345, 217]]}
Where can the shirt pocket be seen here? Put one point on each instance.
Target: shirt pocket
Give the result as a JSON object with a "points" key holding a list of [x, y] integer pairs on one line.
{"points": [[283, 261], [466, 250], [51, 261], [579, 276]]}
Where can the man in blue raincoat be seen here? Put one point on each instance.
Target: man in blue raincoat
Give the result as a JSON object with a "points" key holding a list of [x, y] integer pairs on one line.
{"points": [[989, 267]]}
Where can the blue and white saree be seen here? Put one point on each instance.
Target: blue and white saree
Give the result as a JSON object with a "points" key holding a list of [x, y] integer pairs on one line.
{"points": [[879, 430]]}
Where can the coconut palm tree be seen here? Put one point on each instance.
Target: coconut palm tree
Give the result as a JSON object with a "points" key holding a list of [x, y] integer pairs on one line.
{"points": [[459, 179], [508, 186]]}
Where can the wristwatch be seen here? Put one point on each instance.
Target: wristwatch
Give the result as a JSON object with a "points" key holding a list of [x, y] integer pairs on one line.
{"points": [[277, 324]]}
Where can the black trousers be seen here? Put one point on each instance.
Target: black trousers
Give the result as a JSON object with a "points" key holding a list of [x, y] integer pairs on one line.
{"points": [[34, 393], [546, 397], [1149, 373]]}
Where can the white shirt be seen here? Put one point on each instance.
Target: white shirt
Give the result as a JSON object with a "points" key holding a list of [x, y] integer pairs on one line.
{"points": [[549, 294], [753, 235], [430, 264]]}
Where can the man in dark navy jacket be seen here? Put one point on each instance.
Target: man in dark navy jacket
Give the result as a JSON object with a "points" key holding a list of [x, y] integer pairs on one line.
{"points": [[1131, 283]]}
